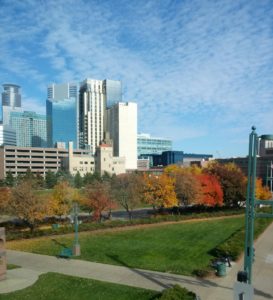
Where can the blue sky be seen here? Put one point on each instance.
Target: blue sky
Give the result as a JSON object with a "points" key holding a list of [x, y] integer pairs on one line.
{"points": [[201, 71]]}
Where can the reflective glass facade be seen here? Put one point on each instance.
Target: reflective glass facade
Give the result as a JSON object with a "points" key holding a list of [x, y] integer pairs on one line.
{"points": [[61, 113], [112, 90], [152, 145], [30, 129], [61, 121]]}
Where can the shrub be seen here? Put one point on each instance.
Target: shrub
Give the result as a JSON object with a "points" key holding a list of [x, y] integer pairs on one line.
{"points": [[177, 293]]}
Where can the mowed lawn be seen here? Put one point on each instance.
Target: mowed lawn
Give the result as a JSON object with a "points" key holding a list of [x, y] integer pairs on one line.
{"points": [[176, 248], [61, 287]]}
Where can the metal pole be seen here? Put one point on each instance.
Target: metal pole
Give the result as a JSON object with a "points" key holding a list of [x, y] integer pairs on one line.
{"points": [[250, 203], [76, 246]]}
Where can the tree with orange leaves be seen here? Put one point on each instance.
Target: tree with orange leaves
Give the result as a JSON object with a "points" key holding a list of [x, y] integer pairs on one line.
{"points": [[159, 191], [4, 199], [212, 193], [27, 205], [262, 192]]}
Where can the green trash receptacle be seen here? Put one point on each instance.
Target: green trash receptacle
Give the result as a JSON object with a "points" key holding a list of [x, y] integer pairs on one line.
{"points": [[55, 226], [221, 269]]}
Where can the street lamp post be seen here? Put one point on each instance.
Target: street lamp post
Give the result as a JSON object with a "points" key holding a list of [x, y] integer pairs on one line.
{"points": [[245, 276], [76, 245]]}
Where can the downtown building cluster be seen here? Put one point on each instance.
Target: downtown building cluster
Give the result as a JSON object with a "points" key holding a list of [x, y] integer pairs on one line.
{"points": [[87, 128]]}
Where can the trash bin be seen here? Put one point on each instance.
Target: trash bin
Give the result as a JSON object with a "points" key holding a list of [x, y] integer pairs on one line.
{"points": [[55, 226], [221, 269]]}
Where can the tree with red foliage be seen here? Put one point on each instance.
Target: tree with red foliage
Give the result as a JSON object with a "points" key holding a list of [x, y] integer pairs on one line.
{"points": [[232, 180], [212, 193], [97, 198]]}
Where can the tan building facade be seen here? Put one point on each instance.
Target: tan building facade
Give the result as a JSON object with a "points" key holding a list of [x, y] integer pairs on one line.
{"points": [[18, 160], [107, 163]]}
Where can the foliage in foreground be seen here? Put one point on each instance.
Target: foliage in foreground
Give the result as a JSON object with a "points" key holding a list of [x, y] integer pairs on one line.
{"points": [[177, 293]]}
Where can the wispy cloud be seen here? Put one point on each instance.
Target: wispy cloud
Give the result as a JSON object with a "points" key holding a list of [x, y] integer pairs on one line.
{"points": [[194, 67]]}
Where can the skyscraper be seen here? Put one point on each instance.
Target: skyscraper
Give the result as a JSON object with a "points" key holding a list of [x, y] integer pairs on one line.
{"points": [[113, 91], [62, 113], [30, 128], [91, 113], [121, 125], [11, 101], [7, 136]]}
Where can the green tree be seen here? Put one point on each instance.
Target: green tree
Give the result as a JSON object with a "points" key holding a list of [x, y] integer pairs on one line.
{"points": [[78, 181], [39, 180], [90, 178], [28, 175], [9, 180], [50, 179]]}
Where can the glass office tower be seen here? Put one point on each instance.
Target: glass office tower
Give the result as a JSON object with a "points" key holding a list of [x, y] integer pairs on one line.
{"points": [[152, 145], [61, 112], [113, 92], [30, 129]]}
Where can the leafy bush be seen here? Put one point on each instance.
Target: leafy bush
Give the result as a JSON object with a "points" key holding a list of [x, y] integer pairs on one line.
{"points": [[177, 293]]}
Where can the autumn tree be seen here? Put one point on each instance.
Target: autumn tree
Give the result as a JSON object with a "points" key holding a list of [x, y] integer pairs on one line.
{"points": [[187, 187], [61, 199], [97, 199], [5, 193], [212, 193], [232, 180], [159, 191], [127, 191], [262, 192], [27, 205]]}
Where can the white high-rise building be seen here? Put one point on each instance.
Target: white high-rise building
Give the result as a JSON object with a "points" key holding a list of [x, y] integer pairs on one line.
{"points": [[92, 105], [7, 135], [122, 128]]}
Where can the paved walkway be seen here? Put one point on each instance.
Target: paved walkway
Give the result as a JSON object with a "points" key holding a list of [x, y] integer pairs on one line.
{"points": [[207, 289]]}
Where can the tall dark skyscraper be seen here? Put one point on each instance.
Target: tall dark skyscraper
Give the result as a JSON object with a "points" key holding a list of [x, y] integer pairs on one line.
{"points": [[11, 101]]}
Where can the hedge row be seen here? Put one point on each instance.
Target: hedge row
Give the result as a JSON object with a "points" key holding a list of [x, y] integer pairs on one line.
{"points": [[15, 232]]}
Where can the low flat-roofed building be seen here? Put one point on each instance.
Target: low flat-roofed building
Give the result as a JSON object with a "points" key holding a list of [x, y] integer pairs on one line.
{"points": [[18, 160]]}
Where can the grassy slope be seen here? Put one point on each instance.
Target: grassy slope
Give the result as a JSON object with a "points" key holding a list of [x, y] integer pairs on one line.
{"points": [[177, 248], [60, 287]]}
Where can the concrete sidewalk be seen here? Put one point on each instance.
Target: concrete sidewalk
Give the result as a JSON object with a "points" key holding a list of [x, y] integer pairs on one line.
{"points": [[207, 289]]}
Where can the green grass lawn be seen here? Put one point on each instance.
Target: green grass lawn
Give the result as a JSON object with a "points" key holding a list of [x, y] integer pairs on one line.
{"points": [[177, 248], [61, 287]]}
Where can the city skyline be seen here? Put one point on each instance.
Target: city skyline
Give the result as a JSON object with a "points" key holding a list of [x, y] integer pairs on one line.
{"points": [[200, 71]]}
